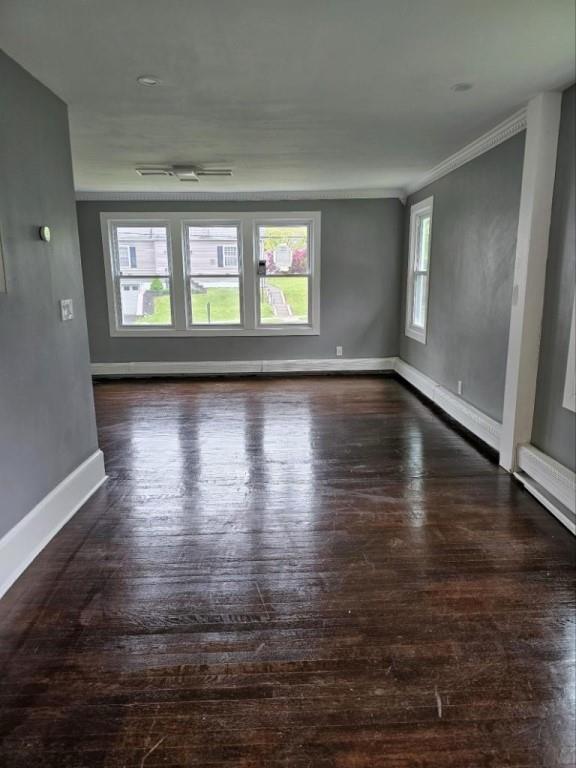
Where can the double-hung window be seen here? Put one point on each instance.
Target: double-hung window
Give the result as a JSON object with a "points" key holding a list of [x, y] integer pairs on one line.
{"points": [[230, 255], [213, 277], [221, 274], [141, 269], [419, 270], [127, 256], [284, 282]]}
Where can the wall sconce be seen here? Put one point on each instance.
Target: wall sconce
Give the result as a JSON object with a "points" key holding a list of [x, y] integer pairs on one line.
{"points": [[45, 234]]}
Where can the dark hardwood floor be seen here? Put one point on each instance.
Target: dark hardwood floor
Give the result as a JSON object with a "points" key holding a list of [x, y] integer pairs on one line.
{"points": [[291, 573]]}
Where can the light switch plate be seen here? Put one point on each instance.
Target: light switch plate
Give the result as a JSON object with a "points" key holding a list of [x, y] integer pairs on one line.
{"points": [[66, 310]]}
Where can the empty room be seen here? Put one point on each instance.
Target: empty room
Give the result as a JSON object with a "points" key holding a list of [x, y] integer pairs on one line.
{"points": [[287, 384]]}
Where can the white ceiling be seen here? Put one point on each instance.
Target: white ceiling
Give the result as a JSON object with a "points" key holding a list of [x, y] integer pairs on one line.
{"points": [[295, 95]]}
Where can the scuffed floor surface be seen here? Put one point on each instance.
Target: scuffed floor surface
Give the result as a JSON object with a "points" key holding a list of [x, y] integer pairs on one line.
{"points": [[291, 573]]}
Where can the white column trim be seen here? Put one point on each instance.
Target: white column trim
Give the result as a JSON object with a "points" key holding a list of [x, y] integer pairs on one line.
{"points": [[543, 122]]}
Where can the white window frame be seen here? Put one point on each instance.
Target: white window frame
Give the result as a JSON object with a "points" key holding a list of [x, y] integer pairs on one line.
{"points": [[188, 275], [247, 223], [278, 222], [569, 398], [114, 277], [423, 208]]}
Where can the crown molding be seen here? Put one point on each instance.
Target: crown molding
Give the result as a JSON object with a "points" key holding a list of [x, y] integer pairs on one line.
{"points": [[332, 194], [500, 133]]}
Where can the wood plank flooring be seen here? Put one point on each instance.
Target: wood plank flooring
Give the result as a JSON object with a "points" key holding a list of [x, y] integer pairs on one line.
{"points": [[291, 573]]}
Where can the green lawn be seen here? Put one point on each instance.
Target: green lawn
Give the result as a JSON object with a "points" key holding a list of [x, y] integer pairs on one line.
{"points": [[224, 308], [295, 290], [225, 305]]}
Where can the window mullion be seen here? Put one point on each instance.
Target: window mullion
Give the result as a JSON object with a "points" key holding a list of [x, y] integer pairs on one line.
{"points": [[249, 277], [178, 280]]}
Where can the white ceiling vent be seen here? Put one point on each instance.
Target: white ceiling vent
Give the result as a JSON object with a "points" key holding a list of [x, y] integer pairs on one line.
{"points": [[153, 172], [183, 172]]}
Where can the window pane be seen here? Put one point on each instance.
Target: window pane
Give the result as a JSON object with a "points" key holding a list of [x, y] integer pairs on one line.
{"points": [[213, 250], [145, 302], [215, 300], [419, 301], [142, 250], [423, 244], [283, 300], [285, 249]]}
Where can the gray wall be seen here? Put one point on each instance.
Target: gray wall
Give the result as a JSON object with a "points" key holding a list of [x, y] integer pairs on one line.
{"points": [[554, 430], [360, 286], [471, 275], [47, 425]]}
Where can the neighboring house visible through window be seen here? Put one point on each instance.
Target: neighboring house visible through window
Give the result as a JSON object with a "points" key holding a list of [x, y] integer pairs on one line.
{"points": [[213, 274], [419, 270]]}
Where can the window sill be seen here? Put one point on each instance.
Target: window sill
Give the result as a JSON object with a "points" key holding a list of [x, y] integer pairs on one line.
{"points": [[416, 334], [213, 332]]}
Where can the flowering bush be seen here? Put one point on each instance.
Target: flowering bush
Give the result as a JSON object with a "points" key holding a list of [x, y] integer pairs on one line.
{"points": [[299, 263]]}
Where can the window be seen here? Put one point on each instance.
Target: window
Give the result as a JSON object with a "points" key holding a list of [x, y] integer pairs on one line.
{"points": [[419, 270], [229, 255], [569, 399], [142, 251], [124, 256], [283, 291], [127, 256], [213, 274], [175, 274]]}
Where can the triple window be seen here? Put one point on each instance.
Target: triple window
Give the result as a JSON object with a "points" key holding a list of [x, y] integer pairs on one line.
{"points": [[212, 274], [419, 270]]}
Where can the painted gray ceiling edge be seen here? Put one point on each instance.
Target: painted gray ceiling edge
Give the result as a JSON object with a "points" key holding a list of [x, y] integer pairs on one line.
{"points": [[310, 194], [500, 133]]}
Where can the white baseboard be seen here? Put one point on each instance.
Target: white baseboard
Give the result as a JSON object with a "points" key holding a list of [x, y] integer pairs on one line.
{"points": [[27, 539], [226, 367], [484, 427], [553, 484]]}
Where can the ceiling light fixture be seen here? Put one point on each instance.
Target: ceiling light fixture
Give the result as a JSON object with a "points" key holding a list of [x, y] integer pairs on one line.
{"points": [[148, 80], [183, 172], [459, 87]]}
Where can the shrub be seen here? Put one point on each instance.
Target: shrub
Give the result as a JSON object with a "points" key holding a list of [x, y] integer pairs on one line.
{"points": [[157, 286]]}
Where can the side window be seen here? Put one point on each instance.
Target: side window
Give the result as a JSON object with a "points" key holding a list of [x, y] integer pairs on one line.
{"points": [[419, 270]]}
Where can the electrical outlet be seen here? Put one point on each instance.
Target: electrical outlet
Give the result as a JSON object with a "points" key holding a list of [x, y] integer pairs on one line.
{"points": [[459, 387], [338, 351], [66, 310]]}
